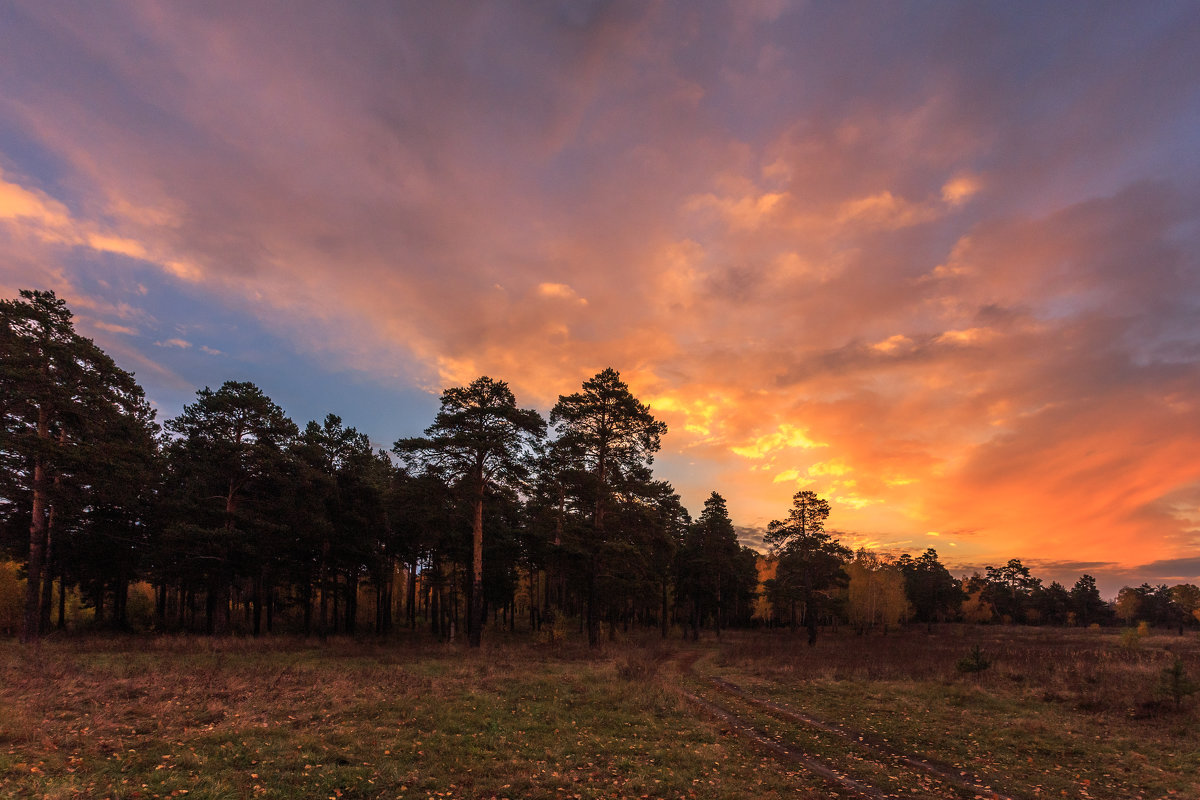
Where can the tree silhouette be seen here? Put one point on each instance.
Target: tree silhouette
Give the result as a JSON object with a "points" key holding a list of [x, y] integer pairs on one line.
{"points": [[612, 438], [810, 559], [935, 595], [708, 564], [478, 439], [230, 445], [67, 411]]}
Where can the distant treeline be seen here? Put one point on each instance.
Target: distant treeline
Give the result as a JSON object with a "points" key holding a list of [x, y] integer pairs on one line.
{"points": [[231, 519]]}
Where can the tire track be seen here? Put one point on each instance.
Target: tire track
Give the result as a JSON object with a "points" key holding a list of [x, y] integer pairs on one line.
{"points": [[782, 751], [881, 752], [962, 779]]}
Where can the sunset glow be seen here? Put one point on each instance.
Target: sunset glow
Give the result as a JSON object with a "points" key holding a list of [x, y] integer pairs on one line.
{"points": [[938, 263]]}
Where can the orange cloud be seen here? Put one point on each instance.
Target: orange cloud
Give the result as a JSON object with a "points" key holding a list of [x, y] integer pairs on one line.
{"points": [[903, 288]]}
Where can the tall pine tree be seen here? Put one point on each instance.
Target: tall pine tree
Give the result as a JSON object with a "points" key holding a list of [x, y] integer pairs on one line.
{"points": [[478, 440], [71, 419]]}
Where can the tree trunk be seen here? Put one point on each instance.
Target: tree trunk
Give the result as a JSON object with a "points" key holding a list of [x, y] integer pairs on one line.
{"points": [[308, 608], [435, 609], [810, 620], [256, 599], [592, 621], [536, 581], [412, 595], [160, 607], [598, 526], [475, 622], [352, 601], [336, 611], [49, 557], [717, 615], [666, 623], [322, 587], [62, 603], [121, 602], [37, 540]]}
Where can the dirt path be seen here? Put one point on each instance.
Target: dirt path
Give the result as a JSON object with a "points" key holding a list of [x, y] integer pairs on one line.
{"points": [[783, 751], [751, 717]]}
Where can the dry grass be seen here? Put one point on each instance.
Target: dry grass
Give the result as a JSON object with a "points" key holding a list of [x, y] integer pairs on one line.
{"points": [[1064, 713], [291, 719], [1059, 713]]}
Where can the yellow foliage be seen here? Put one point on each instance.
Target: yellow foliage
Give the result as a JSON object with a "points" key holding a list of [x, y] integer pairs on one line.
{"points": [[1128, 602], [12, 597], [976, 609], [876, 592], [767, 566], [139, 607]]}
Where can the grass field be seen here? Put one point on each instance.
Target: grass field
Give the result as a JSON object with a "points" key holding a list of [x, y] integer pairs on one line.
{"points": [[1058, 713]]}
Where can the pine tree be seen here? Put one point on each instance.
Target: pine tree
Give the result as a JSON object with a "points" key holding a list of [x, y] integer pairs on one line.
{"points": [[72, 420], [229, 452], [611, 438], [810, 563], [478, 440]]}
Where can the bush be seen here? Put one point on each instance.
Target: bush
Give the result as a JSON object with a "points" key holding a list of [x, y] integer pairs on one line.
{"points": [[1175, 684], [975, 661], [1131, 638]]}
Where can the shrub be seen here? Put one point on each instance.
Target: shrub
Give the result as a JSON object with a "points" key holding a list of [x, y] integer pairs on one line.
{"points": [[1131, 638], [975, 661], [1175, 684]]}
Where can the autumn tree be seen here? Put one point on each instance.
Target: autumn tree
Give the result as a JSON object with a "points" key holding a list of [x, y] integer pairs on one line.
{"points": [[810, 559], [1187, 597], [975, 605], [610, 439], [479, 440], [1155, 605], [875, 594]]}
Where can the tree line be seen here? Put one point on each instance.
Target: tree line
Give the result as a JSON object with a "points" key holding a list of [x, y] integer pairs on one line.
{"points": [[240, 521]]}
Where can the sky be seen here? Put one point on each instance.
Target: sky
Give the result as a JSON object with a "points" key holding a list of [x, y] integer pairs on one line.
{"points": [[938, 262]]}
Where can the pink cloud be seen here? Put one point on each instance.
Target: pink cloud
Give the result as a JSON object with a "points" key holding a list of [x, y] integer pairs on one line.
{"points": [[907, 279]]}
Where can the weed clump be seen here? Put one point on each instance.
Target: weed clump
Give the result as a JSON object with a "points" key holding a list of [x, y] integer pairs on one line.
{"points": [[975, 661], [639, 666]]}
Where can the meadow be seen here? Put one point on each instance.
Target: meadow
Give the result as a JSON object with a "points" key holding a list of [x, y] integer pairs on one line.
{"points": [[1055, 713]]}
